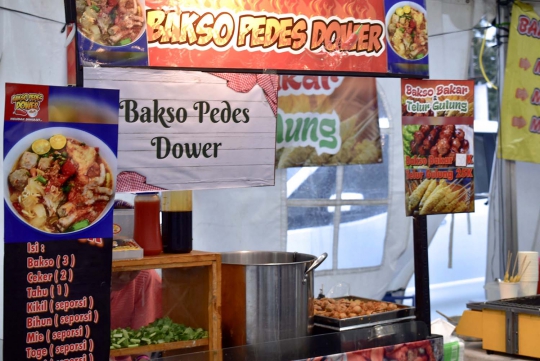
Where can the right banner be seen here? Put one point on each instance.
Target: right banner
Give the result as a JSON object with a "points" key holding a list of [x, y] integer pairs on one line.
{"points": [[438, 135], [520, 109]]}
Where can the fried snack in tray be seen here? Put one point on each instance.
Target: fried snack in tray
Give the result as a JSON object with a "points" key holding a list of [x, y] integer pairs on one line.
{"points": [[448, 208], [433, 183], [448, 198], [458, 201], [432, 196], [442, 198], [418, 193], [346, 308], [435, 197]]}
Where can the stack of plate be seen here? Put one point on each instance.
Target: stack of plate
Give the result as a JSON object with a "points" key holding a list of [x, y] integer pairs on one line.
{"points": [[528, 269]]}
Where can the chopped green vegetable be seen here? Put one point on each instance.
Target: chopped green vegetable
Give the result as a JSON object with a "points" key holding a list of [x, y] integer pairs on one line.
{"points": [[95, 8], [67, 187], [124, 41], [80, 225], [41, 179], [162, 330], [419, 56], [408, 135]]}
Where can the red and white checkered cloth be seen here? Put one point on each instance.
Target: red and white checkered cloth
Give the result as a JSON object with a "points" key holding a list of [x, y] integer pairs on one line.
{"points": [[134, 182], [243, 83]]}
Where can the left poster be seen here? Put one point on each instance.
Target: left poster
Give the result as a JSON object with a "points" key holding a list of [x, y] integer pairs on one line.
{"points": [[60, 150]]}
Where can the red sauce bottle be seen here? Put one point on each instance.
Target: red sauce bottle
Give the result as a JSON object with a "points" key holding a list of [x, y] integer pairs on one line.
{"points": [[146, 231]]}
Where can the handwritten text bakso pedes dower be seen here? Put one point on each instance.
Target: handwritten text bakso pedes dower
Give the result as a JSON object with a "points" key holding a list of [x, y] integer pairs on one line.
{"points": [[203, 112]]}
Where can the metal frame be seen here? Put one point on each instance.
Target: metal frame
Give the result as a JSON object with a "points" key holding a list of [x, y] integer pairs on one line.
{"points": [[420, 223], [421, 270]]}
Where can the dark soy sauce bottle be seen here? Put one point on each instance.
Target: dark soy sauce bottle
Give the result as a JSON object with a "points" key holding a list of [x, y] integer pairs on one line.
{"points": [[177, 221]]}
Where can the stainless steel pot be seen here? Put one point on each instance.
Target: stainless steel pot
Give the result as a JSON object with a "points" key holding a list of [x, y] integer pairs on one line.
{"points": [[266, 296]]}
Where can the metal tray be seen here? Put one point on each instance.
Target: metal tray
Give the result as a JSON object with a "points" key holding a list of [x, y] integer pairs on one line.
{"points": [[400, 314]]}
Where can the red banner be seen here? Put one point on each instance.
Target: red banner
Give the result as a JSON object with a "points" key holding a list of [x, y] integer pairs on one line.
{"points": [[300, 36], [339, 37]]}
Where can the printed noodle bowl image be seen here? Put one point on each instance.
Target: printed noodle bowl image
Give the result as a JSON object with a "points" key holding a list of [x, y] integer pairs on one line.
{"points": [[59, 180], [111, 22], [407, 30]]}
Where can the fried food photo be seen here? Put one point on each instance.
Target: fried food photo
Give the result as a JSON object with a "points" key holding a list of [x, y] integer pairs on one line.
{"points": [[433, 196], [436, 140]]}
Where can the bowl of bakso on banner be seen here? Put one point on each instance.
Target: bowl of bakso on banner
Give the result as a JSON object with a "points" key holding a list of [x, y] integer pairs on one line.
{"points": [[111, 23], [59, 179], [406, 26]]}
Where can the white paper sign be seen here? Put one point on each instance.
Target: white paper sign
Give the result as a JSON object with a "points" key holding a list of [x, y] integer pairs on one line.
{"points": [[188, 130]]}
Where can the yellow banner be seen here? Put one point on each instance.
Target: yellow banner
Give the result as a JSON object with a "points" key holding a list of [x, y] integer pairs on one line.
{"points": [[520, 113]]}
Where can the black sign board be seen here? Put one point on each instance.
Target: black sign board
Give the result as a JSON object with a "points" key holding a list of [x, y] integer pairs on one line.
{"points": [[57, 300]]}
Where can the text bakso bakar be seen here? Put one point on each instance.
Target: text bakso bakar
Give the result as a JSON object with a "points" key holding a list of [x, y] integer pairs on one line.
{"points": [[60, 184]]}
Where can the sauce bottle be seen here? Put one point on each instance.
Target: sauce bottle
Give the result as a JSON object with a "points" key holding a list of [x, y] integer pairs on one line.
{"points": [[177, 221], [146, 230]]}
